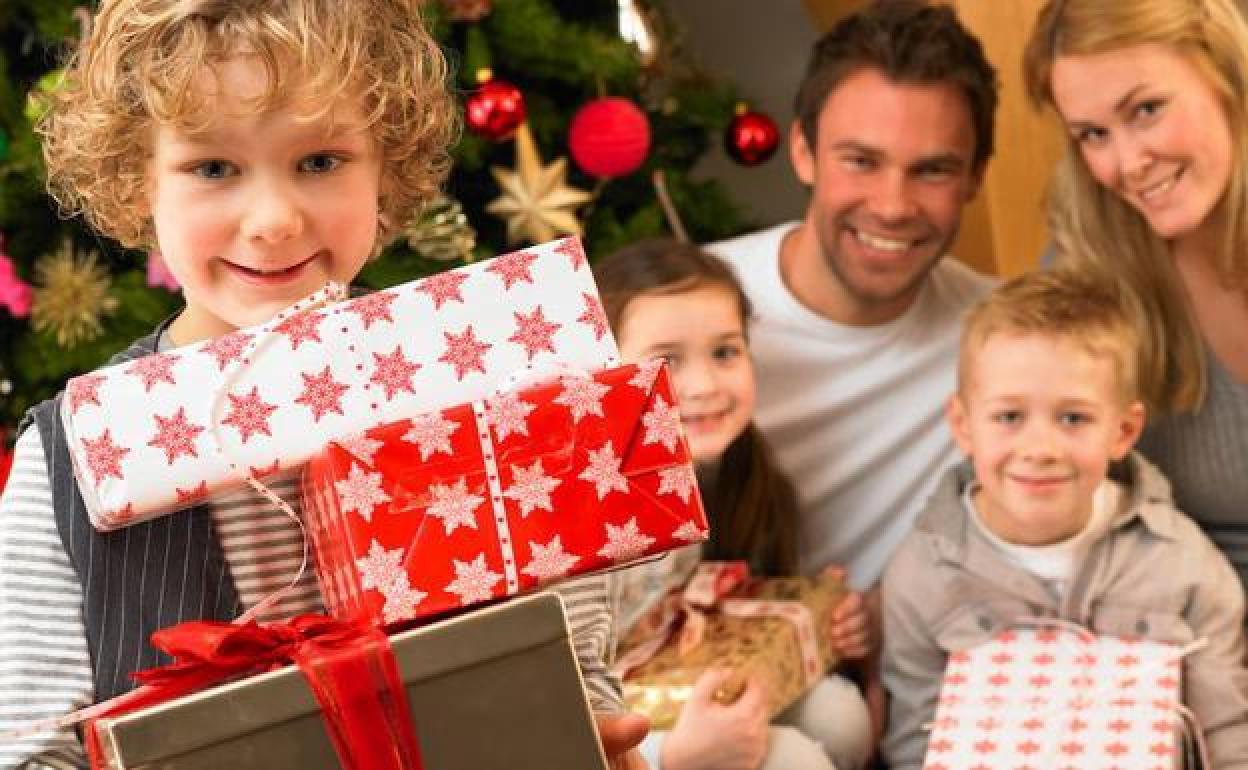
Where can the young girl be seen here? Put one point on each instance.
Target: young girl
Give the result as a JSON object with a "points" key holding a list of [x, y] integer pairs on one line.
{"points": [[674, 301], [264, 147]]}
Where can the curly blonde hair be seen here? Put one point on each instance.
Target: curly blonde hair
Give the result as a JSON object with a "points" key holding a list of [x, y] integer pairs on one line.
{"points": [[138, 66]]}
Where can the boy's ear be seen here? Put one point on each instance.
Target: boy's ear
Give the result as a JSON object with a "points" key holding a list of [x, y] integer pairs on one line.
{"points": [[959, 423], [1129, 429]]}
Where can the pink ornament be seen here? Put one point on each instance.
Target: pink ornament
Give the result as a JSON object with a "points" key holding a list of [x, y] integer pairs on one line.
{"points": [[158, 274], [15, 294]]}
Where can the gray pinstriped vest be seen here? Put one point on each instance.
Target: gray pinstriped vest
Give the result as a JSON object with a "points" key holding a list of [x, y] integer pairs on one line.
{"points": [[135, 580]]}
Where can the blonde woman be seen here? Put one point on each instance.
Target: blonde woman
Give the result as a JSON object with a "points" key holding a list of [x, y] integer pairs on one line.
{"points": [[1153, 194]]}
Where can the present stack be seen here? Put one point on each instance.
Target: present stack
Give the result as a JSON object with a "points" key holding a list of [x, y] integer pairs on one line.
{"points": [[1059, 698], [496, 497], [767, 628]]}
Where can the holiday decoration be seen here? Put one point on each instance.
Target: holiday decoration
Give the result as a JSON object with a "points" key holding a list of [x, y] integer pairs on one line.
{"points": [[495, 109], [158, 274], [1058, 697], [6, 457], [536, 202], [152, 435], [449, 509], [751, 137], [15, 294], [771, 628], [508, 672], [442, 232], [637, 28], [609, 137], [466, 10], [71, 297]]}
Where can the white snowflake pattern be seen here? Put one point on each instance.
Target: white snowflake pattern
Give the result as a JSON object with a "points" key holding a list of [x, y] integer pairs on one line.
{"points": [[401, 602], [549, 561], [361, 447], [381, 568], [689, 532], [474, 581], [507, 413], [678, 480], [582, 396], [432, 433], [646, 374], [361, 492], [531, 488], [454, 505], [603, 471], [662, 425], [625, 542]]}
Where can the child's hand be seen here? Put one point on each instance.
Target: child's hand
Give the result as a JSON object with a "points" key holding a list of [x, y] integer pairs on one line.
{"points": [[850, 630], [710, 735], [619, 733]]}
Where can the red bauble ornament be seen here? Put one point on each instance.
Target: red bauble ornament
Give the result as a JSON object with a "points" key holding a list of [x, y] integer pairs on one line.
{"points": [[494, 110], [609, 137], [752, 137]]}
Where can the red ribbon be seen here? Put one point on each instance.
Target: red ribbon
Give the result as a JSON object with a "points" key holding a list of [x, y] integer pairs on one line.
{"points": [[349, 666]]}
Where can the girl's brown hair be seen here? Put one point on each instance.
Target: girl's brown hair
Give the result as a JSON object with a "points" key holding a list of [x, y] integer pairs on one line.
{"points": [[751, 504]]}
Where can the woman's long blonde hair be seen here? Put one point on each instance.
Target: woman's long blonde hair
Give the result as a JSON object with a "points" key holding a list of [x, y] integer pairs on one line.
{"points": [[1093, 228]]}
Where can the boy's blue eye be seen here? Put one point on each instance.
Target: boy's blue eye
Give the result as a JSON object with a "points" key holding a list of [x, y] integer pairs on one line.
{"points": [[214, 169], [726, 352], [1008, 417], [320, 163], [1071, 419]]}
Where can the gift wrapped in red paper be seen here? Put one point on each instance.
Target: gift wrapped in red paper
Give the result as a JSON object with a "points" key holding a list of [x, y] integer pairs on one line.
{"points": [[496, 497]]}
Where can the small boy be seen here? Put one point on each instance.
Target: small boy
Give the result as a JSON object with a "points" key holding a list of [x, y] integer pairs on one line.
{"points": [[1053, 516], [264, 147]]}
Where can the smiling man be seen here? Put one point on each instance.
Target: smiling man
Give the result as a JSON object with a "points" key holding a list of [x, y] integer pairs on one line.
{"points": [[858, 305]]}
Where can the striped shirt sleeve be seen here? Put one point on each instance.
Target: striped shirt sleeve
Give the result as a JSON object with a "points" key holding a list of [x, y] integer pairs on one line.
{"points": [[593, 637], [45, 670]]}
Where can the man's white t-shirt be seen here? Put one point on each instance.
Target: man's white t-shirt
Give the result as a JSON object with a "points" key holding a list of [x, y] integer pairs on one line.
{"points": [[855, 414]]}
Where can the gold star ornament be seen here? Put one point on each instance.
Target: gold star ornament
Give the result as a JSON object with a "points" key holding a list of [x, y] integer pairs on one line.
{"points": [[536, 203]]}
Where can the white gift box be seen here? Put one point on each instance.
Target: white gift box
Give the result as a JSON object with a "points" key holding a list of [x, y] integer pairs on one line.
{"points": [[1050, 699], [154, 435]]}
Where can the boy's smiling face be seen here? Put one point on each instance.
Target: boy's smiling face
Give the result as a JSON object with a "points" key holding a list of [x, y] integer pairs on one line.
{"points": [[262, 208], [1041, 417]]}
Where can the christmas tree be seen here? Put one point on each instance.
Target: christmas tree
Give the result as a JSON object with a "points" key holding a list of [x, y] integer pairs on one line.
{"points": [[602, 80]]}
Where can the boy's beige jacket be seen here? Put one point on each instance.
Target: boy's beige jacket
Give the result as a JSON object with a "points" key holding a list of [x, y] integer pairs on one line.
{"points": [[1153, 574]]}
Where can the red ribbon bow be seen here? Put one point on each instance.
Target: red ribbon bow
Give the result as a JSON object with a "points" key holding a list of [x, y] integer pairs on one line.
{"points": [[349, 666]]}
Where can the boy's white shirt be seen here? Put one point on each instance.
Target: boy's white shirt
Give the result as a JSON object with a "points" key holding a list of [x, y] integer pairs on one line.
{"points": [[1054, 564]]}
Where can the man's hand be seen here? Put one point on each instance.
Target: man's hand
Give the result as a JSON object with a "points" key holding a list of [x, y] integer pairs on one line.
{"points": [[852, 629], [712, 735], [619, 734]]}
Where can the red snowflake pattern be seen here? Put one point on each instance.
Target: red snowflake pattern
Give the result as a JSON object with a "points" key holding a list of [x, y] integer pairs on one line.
{"points": [[84, 390], [104, 457], [513, 268], [373, 308], [152, 369], [301, 327], [394, 372], [228, 348], [249, 414], [443, 287], [594, 316], [572, 249], [188, 496], [464, 352], [321, 393], [534, 332], [175, 436]]}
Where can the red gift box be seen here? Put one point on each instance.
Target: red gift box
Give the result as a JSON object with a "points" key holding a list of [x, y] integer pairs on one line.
{"points": [[497, 497]]}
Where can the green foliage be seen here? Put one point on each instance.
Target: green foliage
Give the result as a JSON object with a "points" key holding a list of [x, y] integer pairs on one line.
{"points": [[560, 53]]}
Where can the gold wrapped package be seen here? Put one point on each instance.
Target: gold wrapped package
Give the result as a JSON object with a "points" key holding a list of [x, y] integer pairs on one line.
{"points": [[767, 628]]}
